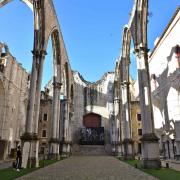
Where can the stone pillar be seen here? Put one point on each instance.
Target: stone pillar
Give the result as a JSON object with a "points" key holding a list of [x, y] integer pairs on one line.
{"points": [[55, 141], [177, 139], [167, 147], [126, 124], [66, 141], [150, 146], [29, 138], [38, 89]]}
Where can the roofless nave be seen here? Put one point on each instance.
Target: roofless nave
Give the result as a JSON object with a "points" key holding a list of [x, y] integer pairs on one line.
{"points": [[87, 113]]}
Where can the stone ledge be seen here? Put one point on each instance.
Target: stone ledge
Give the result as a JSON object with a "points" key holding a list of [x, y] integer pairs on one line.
{"points": [[127, 141], [149, 138], [66, 142], [29, 137], [54, 140]]}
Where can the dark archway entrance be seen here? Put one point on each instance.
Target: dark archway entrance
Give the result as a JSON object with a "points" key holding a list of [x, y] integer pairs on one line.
{"points": [[92, 133]]}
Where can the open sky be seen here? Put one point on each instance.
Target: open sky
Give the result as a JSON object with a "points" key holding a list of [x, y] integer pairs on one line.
{"points": [[92, 31]]}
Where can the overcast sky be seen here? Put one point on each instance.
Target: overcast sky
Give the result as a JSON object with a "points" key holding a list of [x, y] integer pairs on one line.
{"points": [[92, 31]]}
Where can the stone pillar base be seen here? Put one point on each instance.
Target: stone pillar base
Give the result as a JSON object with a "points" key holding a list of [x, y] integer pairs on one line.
{"points": [[150, 151], [33, 162], [54, 156], [119, 151], [177, 157], [150, 164], [30, 148], [65, 149], [54, 150], [128, 149]]}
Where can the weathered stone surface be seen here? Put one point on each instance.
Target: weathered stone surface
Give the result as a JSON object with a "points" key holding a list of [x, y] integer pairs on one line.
{"points": [[13, 99]]}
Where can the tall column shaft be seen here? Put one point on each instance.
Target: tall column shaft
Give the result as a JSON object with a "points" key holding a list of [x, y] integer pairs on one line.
{"points": [[38, 90], [54, 142], [126, 127], [150, 146], [145, 92], [29, 139], [55, 117], [125, 112], [30, 110]]}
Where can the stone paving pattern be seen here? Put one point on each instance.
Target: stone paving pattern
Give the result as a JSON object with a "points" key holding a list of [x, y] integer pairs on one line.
{"points": [[88, 168]]}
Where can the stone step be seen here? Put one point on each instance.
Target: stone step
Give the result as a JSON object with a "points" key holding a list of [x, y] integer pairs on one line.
{"points": [[89, 150]]}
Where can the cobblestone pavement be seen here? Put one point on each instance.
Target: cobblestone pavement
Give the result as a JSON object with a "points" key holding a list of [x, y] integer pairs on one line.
{"points": [[88, 168]]}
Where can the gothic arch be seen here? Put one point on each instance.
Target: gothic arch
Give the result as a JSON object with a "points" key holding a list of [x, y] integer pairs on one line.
{"points": [[56, 54], [29, 3]]}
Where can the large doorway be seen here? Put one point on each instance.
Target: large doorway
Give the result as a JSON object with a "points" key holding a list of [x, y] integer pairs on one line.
{"points": [[92, 133]]}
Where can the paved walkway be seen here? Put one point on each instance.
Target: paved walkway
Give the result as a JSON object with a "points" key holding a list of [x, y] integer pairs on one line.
{"points": [[88, 168]]}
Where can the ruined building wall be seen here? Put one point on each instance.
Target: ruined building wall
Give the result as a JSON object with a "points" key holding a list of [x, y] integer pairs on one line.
{"points": [[93, 98], [13, 100], [164, 65]]}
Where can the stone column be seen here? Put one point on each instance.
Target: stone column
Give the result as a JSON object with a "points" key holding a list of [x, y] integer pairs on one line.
{"points": [[55, 141], [150, 145], [29, 139], [177, 139], [66, 142], [32, 94], [126, 124], [38, 89]]}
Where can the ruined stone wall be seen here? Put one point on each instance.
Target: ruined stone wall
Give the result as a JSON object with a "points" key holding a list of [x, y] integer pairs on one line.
{"points": [[93, 98], [164, 66], [14, 95]]}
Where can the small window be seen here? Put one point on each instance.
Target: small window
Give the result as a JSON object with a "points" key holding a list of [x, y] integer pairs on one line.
{"points": [[139, 117], [42, 149], [139, 148], [1, 68], [140, 132], [177, 50], [44, 133], [45, 117]]}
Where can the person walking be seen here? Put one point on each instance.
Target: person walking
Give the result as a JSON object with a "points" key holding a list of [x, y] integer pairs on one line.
{"points": [[18, 158]]}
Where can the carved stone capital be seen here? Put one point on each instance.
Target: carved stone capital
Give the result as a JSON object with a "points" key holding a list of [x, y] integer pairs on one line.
{"points": [[57, 85], [125, 83], [39, 53], [140, 51], [37, 4]]}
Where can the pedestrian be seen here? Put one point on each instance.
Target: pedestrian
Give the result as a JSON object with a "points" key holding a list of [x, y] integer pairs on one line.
{"points": [[18, 158]]}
